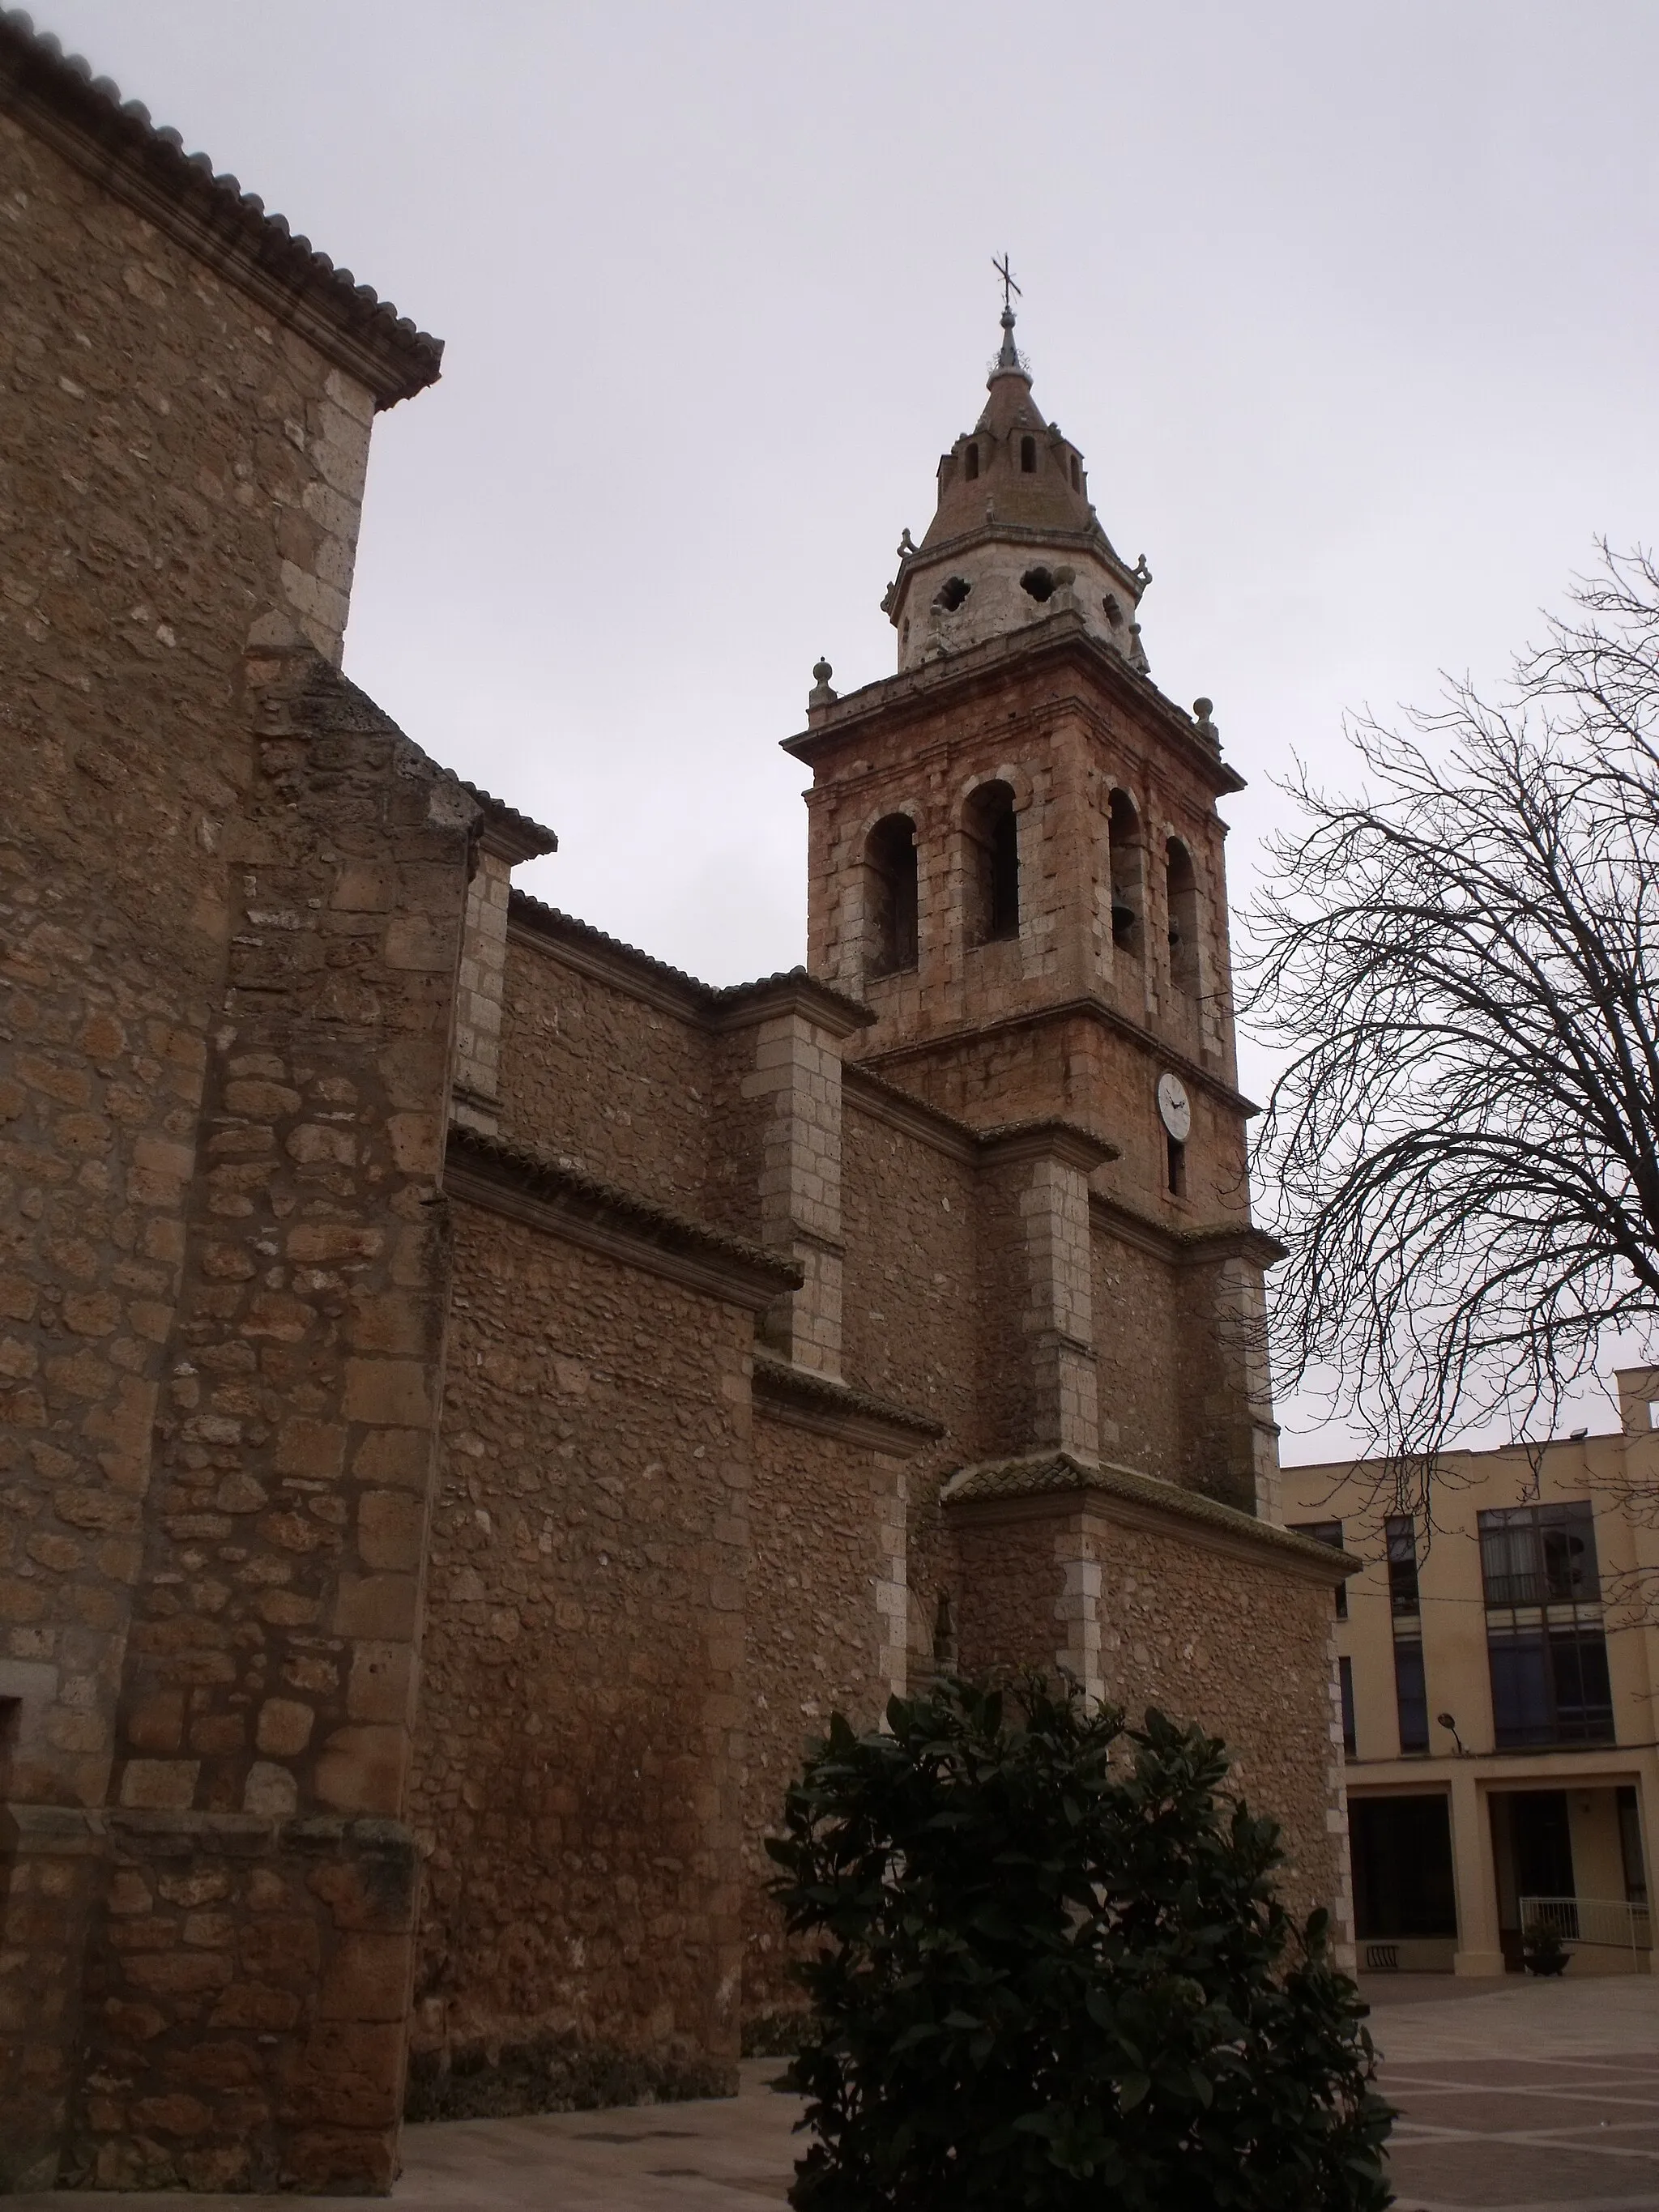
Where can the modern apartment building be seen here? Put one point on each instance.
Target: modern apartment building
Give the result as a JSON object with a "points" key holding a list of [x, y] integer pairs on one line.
{"points": [[1498, 1660]]}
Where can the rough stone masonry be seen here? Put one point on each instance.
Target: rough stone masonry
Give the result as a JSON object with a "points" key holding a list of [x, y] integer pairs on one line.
{"points": [[473, 1398]]}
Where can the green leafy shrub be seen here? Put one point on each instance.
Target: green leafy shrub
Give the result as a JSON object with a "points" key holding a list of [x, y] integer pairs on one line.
{"points": [[1056, 1975]]}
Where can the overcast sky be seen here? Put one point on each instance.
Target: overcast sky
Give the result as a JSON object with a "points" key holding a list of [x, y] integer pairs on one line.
{"points": [[1351, 310]]}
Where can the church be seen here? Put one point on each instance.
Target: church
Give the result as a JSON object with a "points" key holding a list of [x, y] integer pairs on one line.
{"points": [[474, 1398]]}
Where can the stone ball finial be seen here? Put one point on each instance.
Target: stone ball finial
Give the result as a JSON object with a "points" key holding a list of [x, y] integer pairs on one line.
{"points": [[822, 671], [1203, 709], [820, 694]]}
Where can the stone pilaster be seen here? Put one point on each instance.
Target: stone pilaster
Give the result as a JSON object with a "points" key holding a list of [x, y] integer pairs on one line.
{"points": [[796, 1086], [1047, 1165], [890, 1494], [1234, 1438], [506, 838], [52, 1871], [249, 1965]]}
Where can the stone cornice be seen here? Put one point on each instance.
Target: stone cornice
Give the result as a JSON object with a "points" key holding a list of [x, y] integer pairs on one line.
{"points": [[1045, 1483], [1088, 1006], [1053, 1138], [1182, 1248], [670, 990], [526, 1185], [870, 1094], [1015, 1142], [794, 992], [82, 118], [801, 1399], [1062, 637]]}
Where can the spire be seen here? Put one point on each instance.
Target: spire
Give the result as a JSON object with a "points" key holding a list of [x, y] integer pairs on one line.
{"points": [[1014, 539], [1009, 357]]}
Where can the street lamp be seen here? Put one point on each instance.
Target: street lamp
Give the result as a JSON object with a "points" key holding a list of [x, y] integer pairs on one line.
{"points": [[1445, 1720]]}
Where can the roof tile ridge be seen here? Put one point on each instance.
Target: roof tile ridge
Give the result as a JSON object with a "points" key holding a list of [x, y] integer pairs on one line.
{"points": [[830, 1391], [884, 1084], [554, 1169], [94, 105], [510, 817], [527, 901]]}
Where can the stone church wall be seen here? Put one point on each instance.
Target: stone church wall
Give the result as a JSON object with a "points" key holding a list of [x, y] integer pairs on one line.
{"points": [[617, 1083], [1202, 1633], [517, 1497], [1136, 1306], [908, 1301], [172, 464], [828, 1536], [577, 1765]]}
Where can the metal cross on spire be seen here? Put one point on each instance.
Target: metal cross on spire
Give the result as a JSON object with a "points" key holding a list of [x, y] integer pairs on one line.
{"points": [[1010, 291]]}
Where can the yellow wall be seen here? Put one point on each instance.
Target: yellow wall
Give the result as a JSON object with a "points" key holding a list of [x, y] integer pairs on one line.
{"points": [[1619, 1474]]}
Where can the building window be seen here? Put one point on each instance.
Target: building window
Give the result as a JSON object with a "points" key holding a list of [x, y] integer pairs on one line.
{"points": [[1128, 883], [1175, 1165], [890, 896], [1181, 890], [1326, 1532], [1539, 1555], [1411, 1693], [1076, 474], [1546, 1641], [1345, 1678], [1027, 457], [1402, 1866], [971, 467], [1401, 1531], [1549, 1685], [991, 832]]}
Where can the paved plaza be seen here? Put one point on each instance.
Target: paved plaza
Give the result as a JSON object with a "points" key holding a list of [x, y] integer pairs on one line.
{"points": [[1516, 2097]]}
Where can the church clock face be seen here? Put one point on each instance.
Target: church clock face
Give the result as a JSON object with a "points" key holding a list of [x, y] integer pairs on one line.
{"points": [[1175, 1109]]}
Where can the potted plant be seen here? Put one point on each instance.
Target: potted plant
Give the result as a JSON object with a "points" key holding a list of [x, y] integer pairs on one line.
{"points": [[1542, 1951]]}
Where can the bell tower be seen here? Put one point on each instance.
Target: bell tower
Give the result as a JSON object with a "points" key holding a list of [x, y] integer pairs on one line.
{"points": [[1017, 863]]}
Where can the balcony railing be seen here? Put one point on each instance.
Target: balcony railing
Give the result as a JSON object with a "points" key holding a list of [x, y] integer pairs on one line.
{"points": [[1600, 1923]]}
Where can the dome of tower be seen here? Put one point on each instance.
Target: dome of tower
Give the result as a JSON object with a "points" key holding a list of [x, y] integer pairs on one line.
{"points": [[1014, 539]]}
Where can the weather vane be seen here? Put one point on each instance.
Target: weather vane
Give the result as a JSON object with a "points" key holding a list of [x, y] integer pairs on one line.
{"points": [[1010, 291]]}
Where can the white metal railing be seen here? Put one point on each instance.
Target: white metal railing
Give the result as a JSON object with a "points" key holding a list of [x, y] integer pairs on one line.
{"points": [[1604, 1922]]}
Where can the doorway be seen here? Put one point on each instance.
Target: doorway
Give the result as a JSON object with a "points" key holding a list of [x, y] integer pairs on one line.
{"points": [[1532, 1854]]}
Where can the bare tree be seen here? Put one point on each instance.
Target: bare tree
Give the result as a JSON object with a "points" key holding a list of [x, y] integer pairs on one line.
{"points": [[1462, 1152]]}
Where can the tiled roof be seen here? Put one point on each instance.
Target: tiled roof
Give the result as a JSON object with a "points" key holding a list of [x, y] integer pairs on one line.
{"points": [[85, 116], [530, 839], [1044, 1474], [786, 1379], [547, 1175], [711, 997]]}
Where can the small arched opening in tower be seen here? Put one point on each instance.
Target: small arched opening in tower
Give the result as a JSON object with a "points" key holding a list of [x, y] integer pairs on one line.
{"points": [[991, 833], [890, 896], [970, 464], [1027, 457], [1128, 882], [1181, 884]]}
